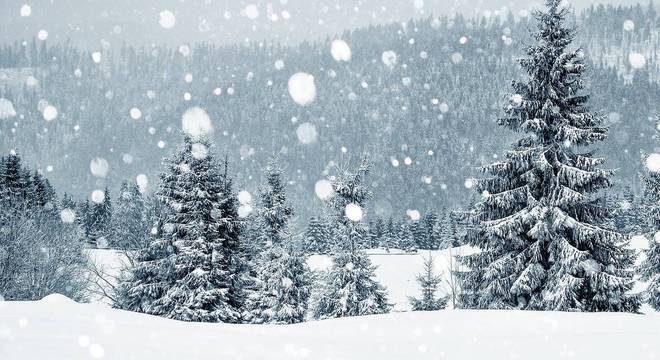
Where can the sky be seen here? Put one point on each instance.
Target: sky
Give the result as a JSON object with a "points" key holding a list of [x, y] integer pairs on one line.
{"points": [[98, 23]]}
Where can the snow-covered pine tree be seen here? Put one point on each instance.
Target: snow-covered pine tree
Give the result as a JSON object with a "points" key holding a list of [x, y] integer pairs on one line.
{"points": [[429, 223], [446, 231], [316, 237], [406, 237], [375, 232], [420, 236], [283, 280], [100, 222], [188, 271], [350, 287], [429, 283], [649, 269], [130, 228], [539, 224]]}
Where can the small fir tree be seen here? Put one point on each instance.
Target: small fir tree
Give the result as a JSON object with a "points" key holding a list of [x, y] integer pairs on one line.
{"points": [[429, 284]]}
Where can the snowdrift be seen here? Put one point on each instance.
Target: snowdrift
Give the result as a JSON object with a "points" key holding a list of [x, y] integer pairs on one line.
{"points": [[58, 328]]}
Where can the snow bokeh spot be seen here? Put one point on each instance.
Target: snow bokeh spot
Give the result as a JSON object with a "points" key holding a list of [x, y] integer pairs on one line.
{"points": [[135, 113], [67, 216], [389, 58], [199, 151], [99, 167], [653, 162], [414, 215], [98, 196], [302, 88], [26, 10], [306, 133], [323, 189], [354, 212], [6, 109], [637, 60], [166, 19], [340, 50], [49, 113], [196, 123], [142, 182], [244, 197]]}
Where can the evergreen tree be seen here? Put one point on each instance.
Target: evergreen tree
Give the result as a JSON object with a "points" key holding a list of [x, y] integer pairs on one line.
{"points": [[100, 220], [432, 237], [447, 231], [189, 271], [316, 237], [406, 237], [350, 288], [649, 269], [283, 283], [539, 224], [375, 233], [419, 234], [429, 283], [129, 227]]}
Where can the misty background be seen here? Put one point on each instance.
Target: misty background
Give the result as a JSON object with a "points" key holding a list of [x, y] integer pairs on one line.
{"points": [[92, 23]]}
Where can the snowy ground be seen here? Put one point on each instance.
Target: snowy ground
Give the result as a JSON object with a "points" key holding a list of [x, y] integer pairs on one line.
{"points": [[57, 328]]}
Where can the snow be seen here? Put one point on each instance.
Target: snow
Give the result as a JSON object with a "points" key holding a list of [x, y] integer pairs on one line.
{"points": [[42, 35], [306, 133], [456, 57], [353, 212], [653, 162], [49, 113], [135, 113], [196, 123], [389, 58], [26, 10], [6, 109], [166, 19], [244, 197], [99, 167], [98, 196], [323, 189], [67, 216], [251, 12], [637, 60], [302, 88], [199, 151], [340, 50], [628, 25], [245, 210], [142, 182], [414, 215], [67, 330], [96, 57]]}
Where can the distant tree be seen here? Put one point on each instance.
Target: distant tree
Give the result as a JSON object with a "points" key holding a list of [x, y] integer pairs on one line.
{"points": [[130, 229], [446, 231], [100, 232], [429, 284]]}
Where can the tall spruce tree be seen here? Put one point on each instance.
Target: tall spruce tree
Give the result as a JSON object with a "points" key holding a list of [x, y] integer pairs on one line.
{"points": [[649, 269], [189, 270], [100, 232], [540, 223], [283, 281], [446, 231], [350, 287], [429, 283]]}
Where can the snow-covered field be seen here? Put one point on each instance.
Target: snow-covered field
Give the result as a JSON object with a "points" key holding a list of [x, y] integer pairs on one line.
{"points": [[57, 328]]}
